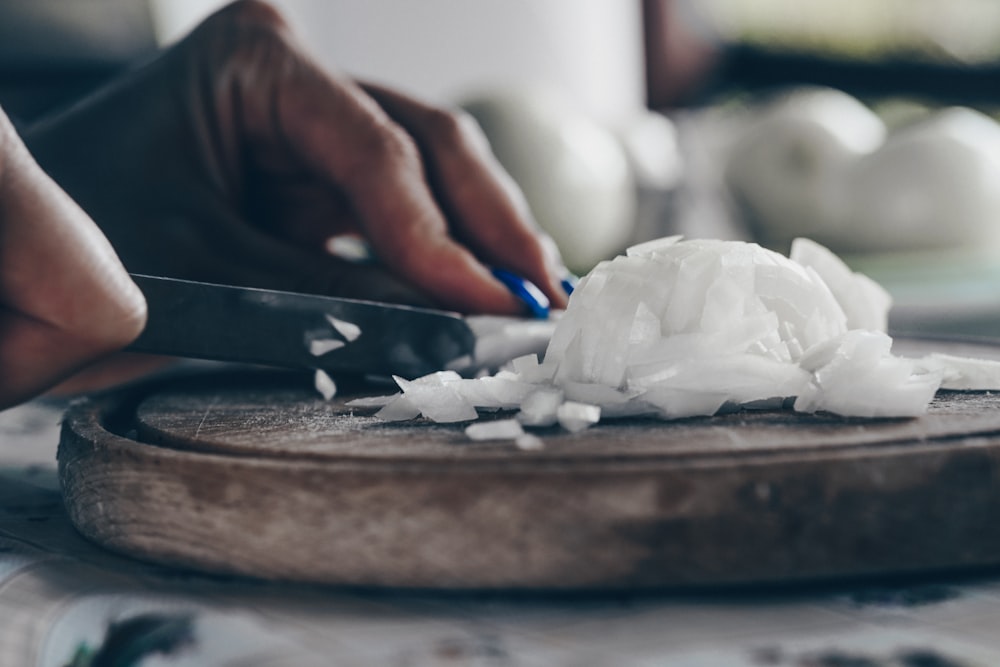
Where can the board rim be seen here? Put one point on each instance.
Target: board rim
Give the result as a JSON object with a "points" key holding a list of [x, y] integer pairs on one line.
{"points": [[97, 465]]}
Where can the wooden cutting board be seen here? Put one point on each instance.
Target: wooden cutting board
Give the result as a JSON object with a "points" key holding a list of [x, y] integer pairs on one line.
{"points": [[254, 474]]}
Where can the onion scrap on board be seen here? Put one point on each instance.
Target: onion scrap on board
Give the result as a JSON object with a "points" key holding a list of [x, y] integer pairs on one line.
{"points": [[676, 329]]}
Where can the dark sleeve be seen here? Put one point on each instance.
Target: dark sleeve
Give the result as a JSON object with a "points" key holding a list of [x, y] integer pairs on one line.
{"points": [[51, 51]]}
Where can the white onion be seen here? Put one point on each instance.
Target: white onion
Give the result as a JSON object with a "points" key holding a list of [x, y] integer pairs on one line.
{"points": [[790, 167]]}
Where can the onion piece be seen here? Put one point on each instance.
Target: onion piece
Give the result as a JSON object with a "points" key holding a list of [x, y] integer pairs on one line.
{"points": [[501, 429], [500, 339], [324, 384], [540, 408], [856, 375], [350, 331], [320, 346], [371, 401], [401, 408], [962, 373], [575, 417], [529, 442], [671, 403], [442, 404]]}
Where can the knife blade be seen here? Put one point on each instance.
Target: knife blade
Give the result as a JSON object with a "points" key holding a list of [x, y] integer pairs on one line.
{"points": [[259, 326]]}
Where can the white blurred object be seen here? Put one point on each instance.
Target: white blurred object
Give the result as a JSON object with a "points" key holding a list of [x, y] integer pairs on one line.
{"points": [[935, 184], [818, 163], [172, 19], [574, 172], [651, 144], [789, 168], [589, 51]]}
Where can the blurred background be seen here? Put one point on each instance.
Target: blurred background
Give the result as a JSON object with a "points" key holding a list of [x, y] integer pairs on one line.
{"points": [[868, 125]]}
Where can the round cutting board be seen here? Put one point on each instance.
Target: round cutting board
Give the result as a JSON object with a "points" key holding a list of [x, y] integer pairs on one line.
{"points": [[255, 474]]}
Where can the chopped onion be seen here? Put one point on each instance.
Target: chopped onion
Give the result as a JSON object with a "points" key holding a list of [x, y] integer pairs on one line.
{"points": [[400, 408], [324, 384], [502, 429], [962, 373], [320, 346], [437, 379], [574, 417], [680, 329], [856, 375], [436, 396], [370, 402], [500, 339], [350, 331], [540, 407], [529, 442], [865, 302]]}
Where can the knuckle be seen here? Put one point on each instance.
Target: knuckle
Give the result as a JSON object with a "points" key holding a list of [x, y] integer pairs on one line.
{"points": [[388, 147], [247, 44], [240, 26], [395, 143], [453, 128]]}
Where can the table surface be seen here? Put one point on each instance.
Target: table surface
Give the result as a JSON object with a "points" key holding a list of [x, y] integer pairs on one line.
{"points": [[60, 596]]}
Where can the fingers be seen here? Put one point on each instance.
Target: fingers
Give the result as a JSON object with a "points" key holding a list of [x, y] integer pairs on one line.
{"points": [[379, 168], [240, 120], [482, 201], [344, 137], [64, 296]]}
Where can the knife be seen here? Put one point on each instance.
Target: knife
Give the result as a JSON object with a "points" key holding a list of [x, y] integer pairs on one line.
{"points": [[260, 326]]}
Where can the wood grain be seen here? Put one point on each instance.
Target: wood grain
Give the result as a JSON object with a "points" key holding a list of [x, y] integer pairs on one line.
{"points": [[255, 475]]}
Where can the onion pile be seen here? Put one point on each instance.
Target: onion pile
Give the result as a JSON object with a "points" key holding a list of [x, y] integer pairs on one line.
{"points": [[680, 329]]}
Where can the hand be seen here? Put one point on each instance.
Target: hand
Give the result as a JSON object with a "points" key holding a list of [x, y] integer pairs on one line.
{"points": [[65, 299], [233, 158]]}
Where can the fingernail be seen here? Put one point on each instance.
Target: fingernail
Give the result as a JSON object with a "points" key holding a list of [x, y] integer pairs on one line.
{"points": [[526, 291]]}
